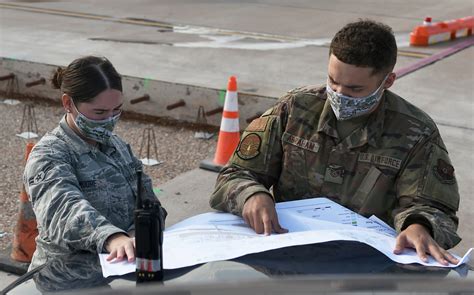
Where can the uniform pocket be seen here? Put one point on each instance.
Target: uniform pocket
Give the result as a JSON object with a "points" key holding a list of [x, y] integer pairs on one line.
{"points": [[372, 195], [95, 192], [293, 175]]}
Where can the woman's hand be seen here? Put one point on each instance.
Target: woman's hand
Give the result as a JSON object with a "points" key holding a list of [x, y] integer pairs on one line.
{"points": [[120, 246]]}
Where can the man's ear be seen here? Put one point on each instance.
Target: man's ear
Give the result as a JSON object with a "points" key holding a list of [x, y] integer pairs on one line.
{"points": [[390, 80], [67, 103]]}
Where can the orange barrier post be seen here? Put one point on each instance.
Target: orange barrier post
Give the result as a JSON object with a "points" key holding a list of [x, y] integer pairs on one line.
{"points": [[229, 134], [430, 33], [24, 244]]}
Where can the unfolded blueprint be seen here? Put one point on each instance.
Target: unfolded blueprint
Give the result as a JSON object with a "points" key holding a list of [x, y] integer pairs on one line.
{"points": [[221, 236]]}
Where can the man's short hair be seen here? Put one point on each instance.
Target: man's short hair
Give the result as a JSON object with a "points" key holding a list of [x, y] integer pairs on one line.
{"points": [[366, 43]]}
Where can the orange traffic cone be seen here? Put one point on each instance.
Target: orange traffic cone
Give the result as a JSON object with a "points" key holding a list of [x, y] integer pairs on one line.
{"points": [[24, 244], [430, 33], [229, 134]]}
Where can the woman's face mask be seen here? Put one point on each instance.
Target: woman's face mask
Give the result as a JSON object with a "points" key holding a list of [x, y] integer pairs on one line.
{"points": [[97, 130], [347, 107]]}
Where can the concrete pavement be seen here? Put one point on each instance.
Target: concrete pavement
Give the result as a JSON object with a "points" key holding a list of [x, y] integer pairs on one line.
{"points": [[271, 46], [6, 279]]}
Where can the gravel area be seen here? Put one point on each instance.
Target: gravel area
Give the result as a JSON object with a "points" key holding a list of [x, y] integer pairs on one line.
{"points": [[176, 146]]}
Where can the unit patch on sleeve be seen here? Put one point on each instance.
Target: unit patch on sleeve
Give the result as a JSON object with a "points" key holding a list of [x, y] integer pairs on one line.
{"points": [[444, 172], [249, 146], [258, 125]]}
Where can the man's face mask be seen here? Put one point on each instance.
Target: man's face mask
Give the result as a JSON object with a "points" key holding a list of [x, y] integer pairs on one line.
{"points": [[347, 107], [98, 130]]}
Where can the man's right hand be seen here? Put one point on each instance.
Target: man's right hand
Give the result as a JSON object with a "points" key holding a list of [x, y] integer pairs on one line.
{"points": [[260, 214]]}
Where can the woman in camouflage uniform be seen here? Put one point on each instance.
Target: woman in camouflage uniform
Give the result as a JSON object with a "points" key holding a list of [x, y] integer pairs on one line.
{"points": [[82, 178]]}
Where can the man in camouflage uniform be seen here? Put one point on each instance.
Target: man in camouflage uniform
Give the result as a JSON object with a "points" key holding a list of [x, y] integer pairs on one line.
{"points": [[354, 142]]}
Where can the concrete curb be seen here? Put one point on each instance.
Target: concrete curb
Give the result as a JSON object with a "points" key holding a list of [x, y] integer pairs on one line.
{"points": [[155, 98], [187, 195], [9, 265]]}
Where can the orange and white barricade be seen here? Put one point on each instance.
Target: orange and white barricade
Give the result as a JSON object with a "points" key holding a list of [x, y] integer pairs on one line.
{"points": [[430, 33]]}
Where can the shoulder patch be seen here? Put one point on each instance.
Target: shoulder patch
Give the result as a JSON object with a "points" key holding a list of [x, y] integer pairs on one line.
{"points": [[267, 112], [444, 172], [258, 125], [39, 177], [249, 147]]}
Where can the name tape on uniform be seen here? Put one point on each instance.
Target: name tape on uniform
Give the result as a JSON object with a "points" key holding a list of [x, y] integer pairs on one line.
{"points": [[301, 142]]}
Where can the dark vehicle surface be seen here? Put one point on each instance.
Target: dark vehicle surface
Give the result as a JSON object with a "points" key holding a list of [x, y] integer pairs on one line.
{"points": [[333, 267]]}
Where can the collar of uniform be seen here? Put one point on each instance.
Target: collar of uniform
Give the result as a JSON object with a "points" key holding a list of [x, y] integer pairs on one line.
{"points": [[327, 121], [74, 140], [370, 133], [375, 124], [108, 148]]}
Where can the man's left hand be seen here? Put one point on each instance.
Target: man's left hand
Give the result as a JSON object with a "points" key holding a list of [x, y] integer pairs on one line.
{"points": [[416, 236]]}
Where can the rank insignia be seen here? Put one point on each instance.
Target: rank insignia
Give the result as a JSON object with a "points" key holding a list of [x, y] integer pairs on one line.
{"points": [[444, 172], [259, 124], [40, 176], [334, 174], [249, 147], [37, 178]]}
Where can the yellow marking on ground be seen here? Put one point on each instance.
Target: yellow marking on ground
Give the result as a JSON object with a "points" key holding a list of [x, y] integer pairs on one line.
{"points": [[52, 11], [144, 23], [261, 36], [413, 54]]}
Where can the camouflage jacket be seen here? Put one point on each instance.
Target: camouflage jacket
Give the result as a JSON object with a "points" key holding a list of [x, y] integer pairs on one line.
{"points": [[80, 194], [395, 167]]}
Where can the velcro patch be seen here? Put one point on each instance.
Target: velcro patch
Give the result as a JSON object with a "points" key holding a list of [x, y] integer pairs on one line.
{"points": [[249, 146], [258, 125], [300, 142], [334, 174], [444, 172], [380, 160], [39, 177]]}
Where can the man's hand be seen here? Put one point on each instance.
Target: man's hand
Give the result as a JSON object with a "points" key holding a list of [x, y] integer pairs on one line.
{"points": [[416, 236], [260, 214], [120, 246]]}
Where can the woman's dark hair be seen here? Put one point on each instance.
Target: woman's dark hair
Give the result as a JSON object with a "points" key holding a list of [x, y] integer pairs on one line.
{"points": [[86, 77], [366, 43]]}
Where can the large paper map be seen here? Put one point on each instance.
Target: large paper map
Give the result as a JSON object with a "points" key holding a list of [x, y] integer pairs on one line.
{"points": [[221, 236]]}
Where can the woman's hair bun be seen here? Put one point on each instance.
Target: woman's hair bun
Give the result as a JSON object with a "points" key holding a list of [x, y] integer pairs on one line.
{"points": [[57, 79]]}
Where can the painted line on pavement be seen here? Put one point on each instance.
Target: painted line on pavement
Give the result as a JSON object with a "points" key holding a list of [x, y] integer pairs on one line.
{"points": [[435, 57]]}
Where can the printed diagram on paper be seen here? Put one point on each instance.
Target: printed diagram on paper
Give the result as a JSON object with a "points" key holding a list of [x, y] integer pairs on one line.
{"points": [[221, 236]]}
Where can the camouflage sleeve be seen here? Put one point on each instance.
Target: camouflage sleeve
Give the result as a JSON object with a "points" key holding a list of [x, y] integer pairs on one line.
{"points": [[428, 192], [64, 216], [256, 163]]}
